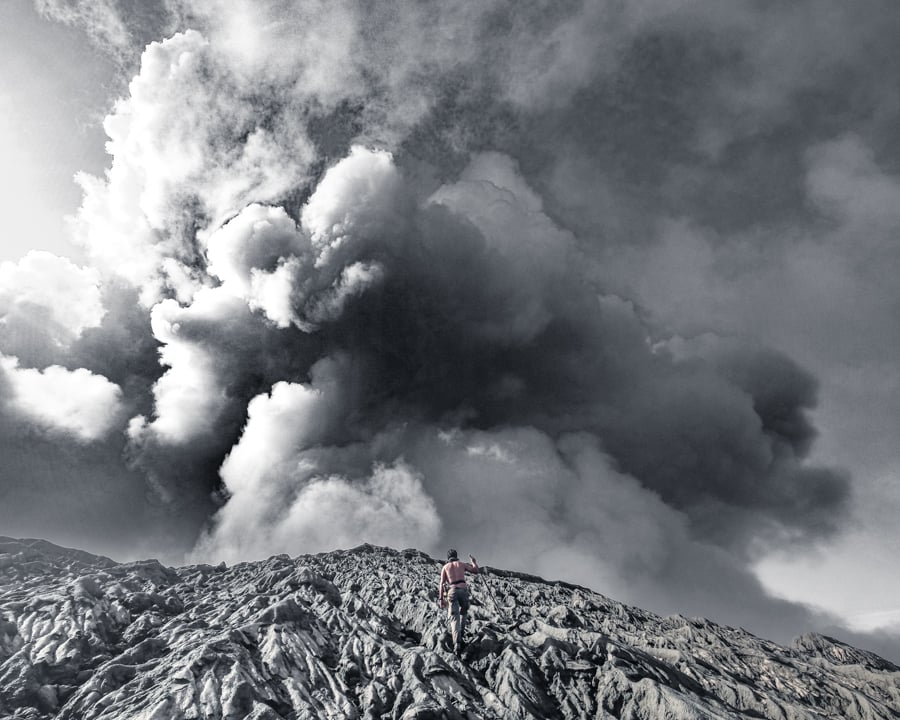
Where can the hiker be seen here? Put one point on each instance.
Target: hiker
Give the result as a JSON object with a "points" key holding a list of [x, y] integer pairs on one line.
{"points": [[453, 574]]}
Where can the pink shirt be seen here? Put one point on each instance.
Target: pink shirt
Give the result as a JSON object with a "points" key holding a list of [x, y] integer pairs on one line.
{"points": [[454, 575]]}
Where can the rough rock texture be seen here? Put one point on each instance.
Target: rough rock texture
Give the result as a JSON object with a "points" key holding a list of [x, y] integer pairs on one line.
{"points": [[357, 634]]}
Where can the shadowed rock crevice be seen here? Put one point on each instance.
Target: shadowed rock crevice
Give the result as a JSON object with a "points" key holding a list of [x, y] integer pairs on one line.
{"points": [[357, 634]]}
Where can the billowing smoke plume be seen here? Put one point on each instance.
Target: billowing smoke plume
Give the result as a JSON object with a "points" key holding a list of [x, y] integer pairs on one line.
{"points": [[418, 274], [472, 381]]}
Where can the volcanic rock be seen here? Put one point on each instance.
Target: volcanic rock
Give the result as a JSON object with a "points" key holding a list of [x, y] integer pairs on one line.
{"points": [[357, 634]]}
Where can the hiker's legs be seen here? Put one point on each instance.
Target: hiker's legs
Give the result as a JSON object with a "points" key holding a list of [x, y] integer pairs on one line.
{"points": [[463, 600], [453, 616]]}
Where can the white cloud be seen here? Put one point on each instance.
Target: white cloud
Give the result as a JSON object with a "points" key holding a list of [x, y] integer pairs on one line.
{"points": [[356, 199], [189, 397], [390, 507], [306, 275], [308, 45], [114, 233], [70, 295], [73, 402], [258, 238], [188, 142], [272, 292], [257, 256], [100, 19], [279, 425], [285, 488]]}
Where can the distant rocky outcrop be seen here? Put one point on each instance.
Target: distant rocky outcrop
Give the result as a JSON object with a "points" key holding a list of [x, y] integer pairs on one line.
{"points": [[357, 634]]}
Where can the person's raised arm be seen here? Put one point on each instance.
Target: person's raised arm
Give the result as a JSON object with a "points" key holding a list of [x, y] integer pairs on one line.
{"points": [[474, 566]]}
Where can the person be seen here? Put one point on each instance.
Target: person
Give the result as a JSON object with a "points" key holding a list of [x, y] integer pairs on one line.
{"points": [[453, 576]]}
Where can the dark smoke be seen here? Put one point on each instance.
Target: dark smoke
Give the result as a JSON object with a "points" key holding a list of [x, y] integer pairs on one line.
{"points": [[446, 273]]}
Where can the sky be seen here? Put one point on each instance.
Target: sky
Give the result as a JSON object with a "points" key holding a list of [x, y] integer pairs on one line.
{"points": [[599, 291]]}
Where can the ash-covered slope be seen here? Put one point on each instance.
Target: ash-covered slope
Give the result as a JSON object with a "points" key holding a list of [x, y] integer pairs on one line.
{"points": [[357, 634]]}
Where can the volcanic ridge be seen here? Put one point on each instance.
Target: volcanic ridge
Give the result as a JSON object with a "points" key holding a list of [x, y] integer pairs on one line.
{"points": [[357, 634]]}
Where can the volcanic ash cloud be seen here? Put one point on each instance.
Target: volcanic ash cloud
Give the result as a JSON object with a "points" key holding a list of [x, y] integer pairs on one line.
{"points": [[467, 378], [324, 307]]}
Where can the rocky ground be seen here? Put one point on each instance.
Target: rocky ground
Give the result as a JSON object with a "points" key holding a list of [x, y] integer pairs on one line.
{"points": [[357, 634]]}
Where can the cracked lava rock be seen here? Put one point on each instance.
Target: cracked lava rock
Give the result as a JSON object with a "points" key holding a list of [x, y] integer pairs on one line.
{"points": [[357, 634]]}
